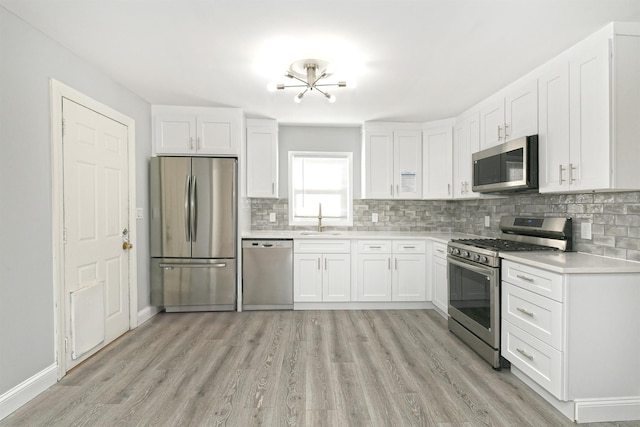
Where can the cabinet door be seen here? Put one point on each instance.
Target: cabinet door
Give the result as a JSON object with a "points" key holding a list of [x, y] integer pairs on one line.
{"points": [[214, 135], [492, 123], [307, 278], [553, 138], [374, 277], [409, 281], [589, 163], [175, 134], [440, 286], [437, 163], [521, 110], [378, 165], [336, 277], [466, 142], [407, 147], [262, 162]]}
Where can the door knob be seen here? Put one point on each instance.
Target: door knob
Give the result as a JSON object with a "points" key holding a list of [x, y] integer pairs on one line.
{"points": [[126, 246]]}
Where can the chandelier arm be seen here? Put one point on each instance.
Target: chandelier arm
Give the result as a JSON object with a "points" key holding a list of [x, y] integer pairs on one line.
{"points": [[304, 85], [322, 76], [327, 84], [298, 79], [322, 92]]}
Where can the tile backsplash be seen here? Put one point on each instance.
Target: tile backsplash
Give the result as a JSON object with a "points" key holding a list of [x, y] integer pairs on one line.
{"points": [[614, 217]]}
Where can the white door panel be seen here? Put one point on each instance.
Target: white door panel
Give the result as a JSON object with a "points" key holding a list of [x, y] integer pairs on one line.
{"points": [[96, 215]]}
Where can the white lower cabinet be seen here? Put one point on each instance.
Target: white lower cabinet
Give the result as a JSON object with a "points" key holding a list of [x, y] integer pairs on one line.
{"points": [[440, 297], [322, 270], [391, 270], [575, 336]]}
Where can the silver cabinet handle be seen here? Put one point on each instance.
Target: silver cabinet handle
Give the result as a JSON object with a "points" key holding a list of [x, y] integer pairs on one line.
{"points": [[389, 263], [440, 250], [391, 189], [375, 247], [409, 247], [524, 353], [560, 170], [325, 264], [187, 212], [499, 136], [571, 169], [448, 189], [525, 278], [318, 263], [273, 188], [198, 140], [506, 134], [461, 187], [523, 311], [397, 189], [396, 263], [191, 143]]}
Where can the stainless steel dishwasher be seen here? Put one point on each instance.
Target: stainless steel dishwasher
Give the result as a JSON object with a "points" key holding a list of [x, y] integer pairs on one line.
{"points": [[267, 274]]}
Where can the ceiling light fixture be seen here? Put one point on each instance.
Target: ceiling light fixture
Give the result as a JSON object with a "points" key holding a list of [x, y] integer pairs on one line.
{"points": [[309, 72]]}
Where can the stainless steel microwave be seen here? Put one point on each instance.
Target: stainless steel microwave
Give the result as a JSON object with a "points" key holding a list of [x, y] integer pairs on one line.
{"points": [[512, 166]]}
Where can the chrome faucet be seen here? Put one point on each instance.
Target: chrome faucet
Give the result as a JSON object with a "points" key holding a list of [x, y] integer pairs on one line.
{"points": [[320, 226]]}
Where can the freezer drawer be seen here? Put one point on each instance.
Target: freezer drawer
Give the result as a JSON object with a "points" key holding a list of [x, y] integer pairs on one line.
{"points": [[267, 275], [193, 284]]}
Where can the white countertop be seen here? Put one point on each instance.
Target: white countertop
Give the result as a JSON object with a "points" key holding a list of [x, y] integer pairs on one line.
{"points": [[573, 262], [407, 235]]}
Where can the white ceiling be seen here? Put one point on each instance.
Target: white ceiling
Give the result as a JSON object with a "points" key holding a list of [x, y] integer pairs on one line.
{"points": [[417, 60]]}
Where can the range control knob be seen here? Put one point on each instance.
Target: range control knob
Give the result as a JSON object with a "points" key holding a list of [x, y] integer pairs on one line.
{"points": [[465, 254], [455, 251], [475, 257], [483, 259]]}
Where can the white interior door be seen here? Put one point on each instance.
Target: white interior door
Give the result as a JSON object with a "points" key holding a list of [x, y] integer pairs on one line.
{"points": [[96, 215]]}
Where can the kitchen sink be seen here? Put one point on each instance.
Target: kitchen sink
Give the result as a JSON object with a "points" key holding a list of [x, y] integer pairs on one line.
{"points": [[319, 233]]}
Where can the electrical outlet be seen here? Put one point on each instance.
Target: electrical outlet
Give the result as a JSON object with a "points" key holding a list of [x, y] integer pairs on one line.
{"points": [[487, 221], [272, 217], [139, 213], [585, 230], [374, 217]]}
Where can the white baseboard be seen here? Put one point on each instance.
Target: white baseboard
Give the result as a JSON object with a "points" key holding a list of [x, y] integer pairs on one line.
{"points": [[608, 410], [588, 410], [27, 390], [147, 313], [355, 305]]}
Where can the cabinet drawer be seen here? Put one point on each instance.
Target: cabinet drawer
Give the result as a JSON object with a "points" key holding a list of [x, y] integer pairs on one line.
{"points": [[539, 316], [374, 246], [541, 282], [328, 246], [541, 362], [409, 246], [440, 250]]}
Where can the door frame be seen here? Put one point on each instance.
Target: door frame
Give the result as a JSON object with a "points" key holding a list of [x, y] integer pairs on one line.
{"points": [[57, 92]]}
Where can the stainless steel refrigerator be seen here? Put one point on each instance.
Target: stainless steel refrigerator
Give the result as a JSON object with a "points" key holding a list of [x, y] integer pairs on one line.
{"points": [[193, 233]]}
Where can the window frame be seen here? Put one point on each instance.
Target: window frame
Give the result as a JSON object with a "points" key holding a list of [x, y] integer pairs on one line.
{"points": [[326, 221]]}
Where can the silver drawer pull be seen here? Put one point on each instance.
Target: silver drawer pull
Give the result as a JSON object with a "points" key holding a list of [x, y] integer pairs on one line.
{"points": [[525, 278], [375, 247], [440, 250], [524, 353], [409, 247], [523, 311]]}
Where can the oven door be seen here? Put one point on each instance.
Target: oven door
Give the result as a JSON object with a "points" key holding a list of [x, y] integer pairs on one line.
{"points": [[474, 295]]}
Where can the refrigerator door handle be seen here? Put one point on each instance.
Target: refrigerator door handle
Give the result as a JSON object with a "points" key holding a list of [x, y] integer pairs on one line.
{"points": [[187, 216], [169, 266], [194, 209]]}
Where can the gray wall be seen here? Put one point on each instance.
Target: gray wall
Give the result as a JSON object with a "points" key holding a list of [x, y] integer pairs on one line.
{"points": [[28, 59], [318, 138]]}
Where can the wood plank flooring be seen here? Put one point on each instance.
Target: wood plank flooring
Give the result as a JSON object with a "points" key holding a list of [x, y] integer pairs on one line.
{"points": [[289, 368]]}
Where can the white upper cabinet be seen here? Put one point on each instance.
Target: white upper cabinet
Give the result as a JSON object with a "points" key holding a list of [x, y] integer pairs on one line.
{"points": [[437, 160], [391, 161], [511, 114], [466, 141], [196, 130], [589, 100], [262, 158]]}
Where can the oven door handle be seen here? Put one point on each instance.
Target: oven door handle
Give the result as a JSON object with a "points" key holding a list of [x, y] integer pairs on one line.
{"points": [[480, 269]]}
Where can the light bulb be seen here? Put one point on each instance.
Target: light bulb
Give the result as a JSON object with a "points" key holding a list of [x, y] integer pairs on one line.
{"points": [[332, 98], [298, 98]]}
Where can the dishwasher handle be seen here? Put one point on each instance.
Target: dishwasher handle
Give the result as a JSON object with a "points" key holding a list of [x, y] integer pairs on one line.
{"points": [[267, 244]]}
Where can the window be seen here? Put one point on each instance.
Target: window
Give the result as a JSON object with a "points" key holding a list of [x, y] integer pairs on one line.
{"points": [[320, 178]]}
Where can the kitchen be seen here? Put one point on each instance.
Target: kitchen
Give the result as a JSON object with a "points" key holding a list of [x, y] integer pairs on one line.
{"points": [[31, 303]]}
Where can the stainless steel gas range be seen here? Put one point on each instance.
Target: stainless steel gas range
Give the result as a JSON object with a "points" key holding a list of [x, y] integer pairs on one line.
{"points": [[474, 276]]}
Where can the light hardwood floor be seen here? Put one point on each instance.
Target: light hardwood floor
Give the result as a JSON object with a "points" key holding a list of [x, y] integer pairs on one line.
{"points": [[286, 368]]}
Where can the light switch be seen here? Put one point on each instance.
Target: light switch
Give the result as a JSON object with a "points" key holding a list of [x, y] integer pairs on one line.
{"points": [[272, 217], [374, 217], [585, 230], [139, 213]]}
